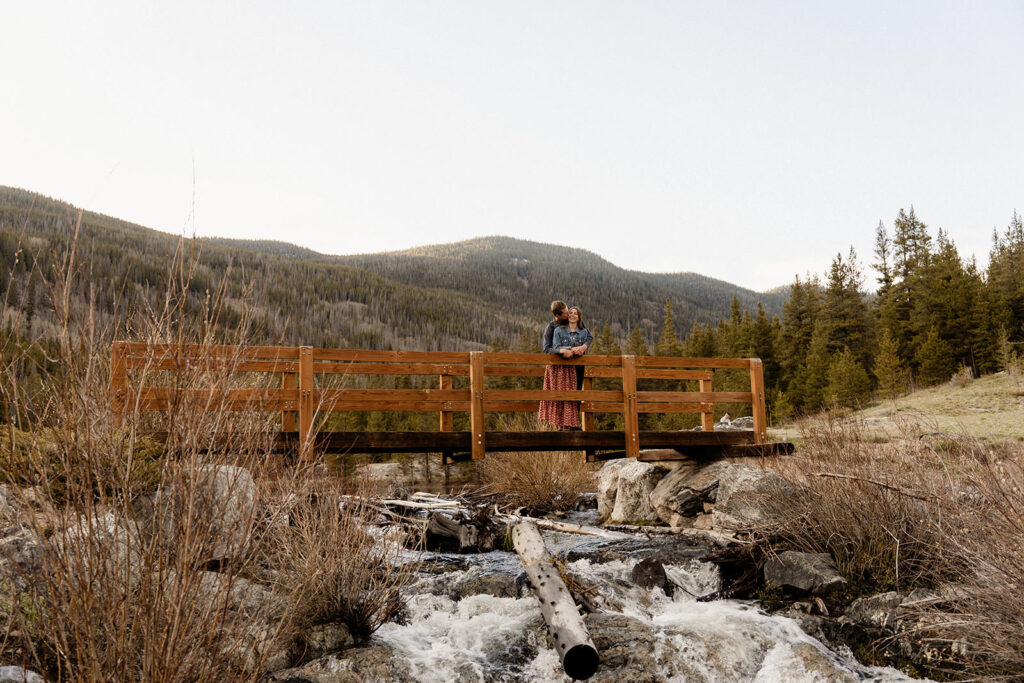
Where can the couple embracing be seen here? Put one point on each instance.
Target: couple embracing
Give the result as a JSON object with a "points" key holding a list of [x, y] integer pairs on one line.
{"points": [[568, 337]]}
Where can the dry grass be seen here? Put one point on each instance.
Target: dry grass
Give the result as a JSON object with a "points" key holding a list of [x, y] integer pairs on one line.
{"points": [[539, 482], [132, 568], [941, 513]]}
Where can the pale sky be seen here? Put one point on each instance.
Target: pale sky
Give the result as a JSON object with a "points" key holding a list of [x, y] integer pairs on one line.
{"points": [[745, 141]]}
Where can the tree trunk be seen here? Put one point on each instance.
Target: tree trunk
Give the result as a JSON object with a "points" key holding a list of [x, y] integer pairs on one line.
{"points": [[572, 641]]}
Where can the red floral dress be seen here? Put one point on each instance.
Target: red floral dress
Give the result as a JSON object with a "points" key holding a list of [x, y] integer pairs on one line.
{"points": [[560, 413]]}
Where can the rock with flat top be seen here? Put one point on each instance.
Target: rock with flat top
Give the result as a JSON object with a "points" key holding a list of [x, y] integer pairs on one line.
{"points": [[633, 498], [684, 491], [813, 573], [608, 486], [743, 495]]}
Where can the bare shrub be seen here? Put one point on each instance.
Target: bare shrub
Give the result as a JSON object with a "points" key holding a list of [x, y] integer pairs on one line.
{"points": [[962, 377], [336, 565], [939, 512], [160, 560], [540, 482]]}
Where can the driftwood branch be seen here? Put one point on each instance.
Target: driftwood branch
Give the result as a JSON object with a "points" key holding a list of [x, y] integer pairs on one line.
{"points": [[882, 484], [572, 641]]}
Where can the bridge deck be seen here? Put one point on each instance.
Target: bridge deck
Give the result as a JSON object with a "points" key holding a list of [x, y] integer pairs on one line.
{"points": [[457, 445]]}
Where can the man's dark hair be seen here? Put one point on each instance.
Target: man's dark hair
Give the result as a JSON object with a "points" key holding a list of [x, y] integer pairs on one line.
{"points": [[557, 307]]}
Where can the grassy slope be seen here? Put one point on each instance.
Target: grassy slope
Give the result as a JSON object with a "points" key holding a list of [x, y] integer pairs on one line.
{"points": [[990, 407]]}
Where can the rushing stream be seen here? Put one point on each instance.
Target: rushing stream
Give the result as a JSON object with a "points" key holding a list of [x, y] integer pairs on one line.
{"points": [[472, 620]]}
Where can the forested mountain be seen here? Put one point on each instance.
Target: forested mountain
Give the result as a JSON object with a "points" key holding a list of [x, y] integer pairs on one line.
{"points": [[452, 297]]}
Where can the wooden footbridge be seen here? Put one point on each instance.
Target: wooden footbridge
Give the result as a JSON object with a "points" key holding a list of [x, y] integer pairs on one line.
{"points": [[301, 383]]}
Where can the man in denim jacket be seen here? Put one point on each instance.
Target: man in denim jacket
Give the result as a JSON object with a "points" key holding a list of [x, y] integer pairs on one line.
{"points": [[560, 313]]}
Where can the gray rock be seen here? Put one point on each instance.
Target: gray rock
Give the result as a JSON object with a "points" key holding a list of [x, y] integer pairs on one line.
{"points": [[477, 582], [323, 639], [818, 665], [742, 490], [352, 665], [15, 674], [684, 491], [633, 498], [876, 611], [100, 547], [650, 573], [21, 557], [608, 486], [222, 498], [813, 573], [628, 649]]}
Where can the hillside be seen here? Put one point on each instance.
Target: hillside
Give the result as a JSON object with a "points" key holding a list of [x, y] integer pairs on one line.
{"points": [[990, 407], [425, 298]]}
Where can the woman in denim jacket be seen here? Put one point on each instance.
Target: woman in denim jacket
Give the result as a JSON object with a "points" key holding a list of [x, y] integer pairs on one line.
{"points": [[568, 341]]}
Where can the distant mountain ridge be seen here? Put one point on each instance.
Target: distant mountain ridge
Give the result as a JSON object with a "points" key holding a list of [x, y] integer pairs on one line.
{"points": [[446, 296]]}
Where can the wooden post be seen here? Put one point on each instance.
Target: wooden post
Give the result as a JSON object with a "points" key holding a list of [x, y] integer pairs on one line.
{"points": [[587, 417], [289, 418], [476, 406], [757, 406], [629, 414], [306, 406], [707, 419], [118, 380], [572, 641], [446, 421]]}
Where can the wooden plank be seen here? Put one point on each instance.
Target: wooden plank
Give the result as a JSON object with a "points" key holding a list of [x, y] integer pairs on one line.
{"points": [[255, 404], [476, 410], [337, 406], [118, 379], [629, 406], [707, 417], [289, 418], [598, 371], [707, 452], [350, 368], [210, 351], [671, 362], [433, 442], [549, 359], [586, 416], [672, 408], [211, 364], [541, 395], [700, 396], [212, 396], [396, 395], [649, 373], [306, 406], [393, 356], [758, 409]]}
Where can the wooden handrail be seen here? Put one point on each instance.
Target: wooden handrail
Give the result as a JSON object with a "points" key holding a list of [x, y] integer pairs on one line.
{"points": [[298, 398]]}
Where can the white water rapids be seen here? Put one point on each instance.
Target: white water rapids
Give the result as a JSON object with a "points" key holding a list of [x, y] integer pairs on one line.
{"points": [[485, 638]]}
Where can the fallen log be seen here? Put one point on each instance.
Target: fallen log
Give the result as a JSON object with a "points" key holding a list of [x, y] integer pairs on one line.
{"points": [[572, 641]]}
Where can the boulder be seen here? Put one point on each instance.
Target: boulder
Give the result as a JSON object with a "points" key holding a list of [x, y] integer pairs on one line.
{"points": [[100, 547], [323, 639], [351, 665], [875, 611], [219, 501], [650, 573], [608, 486], [813, 573], [740, 501], [15, 674], [684, 491], [21, 557], [628, 647], [633, 498]]}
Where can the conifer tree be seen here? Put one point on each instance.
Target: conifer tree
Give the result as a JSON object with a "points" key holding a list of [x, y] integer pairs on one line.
{"points": [[845, 311], [848, 383], [668, 343], [888, 369], [883, 252], [635, 345], [808, 386], [935, 359]]}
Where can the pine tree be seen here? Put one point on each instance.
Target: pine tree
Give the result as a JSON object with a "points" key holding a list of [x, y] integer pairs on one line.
{"points": [[845, 311], [807, 388], [668, 343], [935, 359], [848, 383], [883, 252], [635, 345], [888, 369]]}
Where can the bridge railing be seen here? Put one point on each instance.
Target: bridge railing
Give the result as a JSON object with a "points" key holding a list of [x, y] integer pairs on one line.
{"points": [[300, 398]]}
